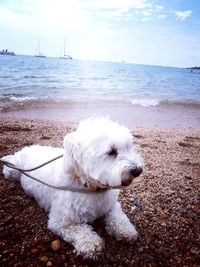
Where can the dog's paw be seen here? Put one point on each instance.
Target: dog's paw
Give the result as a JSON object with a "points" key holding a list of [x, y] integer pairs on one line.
{"points": [[131, 238], [129, 234], [91, 250]]}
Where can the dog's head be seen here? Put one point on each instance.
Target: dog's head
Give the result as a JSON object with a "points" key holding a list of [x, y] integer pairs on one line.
{"points": [[104, 151]]}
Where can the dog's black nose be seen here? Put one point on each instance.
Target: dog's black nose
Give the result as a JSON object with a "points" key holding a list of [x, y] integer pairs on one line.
{"points": [[136, 171]]}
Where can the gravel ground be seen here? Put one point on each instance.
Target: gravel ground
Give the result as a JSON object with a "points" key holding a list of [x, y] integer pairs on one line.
{"points": [[163, 203]]}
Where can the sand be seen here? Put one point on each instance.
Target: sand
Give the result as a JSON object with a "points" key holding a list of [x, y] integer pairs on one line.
{"points": [[163, 203]]}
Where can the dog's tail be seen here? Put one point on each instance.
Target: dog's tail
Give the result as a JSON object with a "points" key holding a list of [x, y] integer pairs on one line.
{"points": [[9, 173]]}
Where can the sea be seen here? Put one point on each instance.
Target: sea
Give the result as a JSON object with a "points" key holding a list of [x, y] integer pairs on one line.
{"points": [[25, 80]]}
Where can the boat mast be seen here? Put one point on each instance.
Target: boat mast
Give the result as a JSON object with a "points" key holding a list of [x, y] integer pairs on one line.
{"points": [[39, 47], [65, 47]]}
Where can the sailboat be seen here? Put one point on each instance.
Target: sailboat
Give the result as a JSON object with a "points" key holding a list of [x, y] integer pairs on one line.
{"points": [[38, 53], [65, 56]]}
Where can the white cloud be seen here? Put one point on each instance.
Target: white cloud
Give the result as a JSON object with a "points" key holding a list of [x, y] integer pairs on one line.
{"points": [[62, 16], [123, 5], [142, 11], [43, 17], [114, 9], [182, 15]]}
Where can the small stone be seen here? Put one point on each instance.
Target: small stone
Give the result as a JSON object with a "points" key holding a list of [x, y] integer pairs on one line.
{"points": [[98, 248], [172, 192], [56, 245], [195, 250], [188, 177], [141, 249], [133, 208], [49, 263], [138, 203], [44, 259], [34, 250], [187, 188]]}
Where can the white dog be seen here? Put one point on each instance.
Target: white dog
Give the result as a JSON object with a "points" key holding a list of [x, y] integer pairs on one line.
{"points": [[99, 150]]}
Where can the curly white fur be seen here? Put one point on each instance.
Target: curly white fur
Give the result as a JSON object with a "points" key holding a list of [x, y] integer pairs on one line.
{"points": [[98, 149]]}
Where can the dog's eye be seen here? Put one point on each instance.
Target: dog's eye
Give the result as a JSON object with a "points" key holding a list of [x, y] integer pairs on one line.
{"points": [[113, 153]]}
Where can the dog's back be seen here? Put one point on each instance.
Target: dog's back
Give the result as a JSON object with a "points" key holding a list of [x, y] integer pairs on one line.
{"points": [[26, 158], [30, 157]]}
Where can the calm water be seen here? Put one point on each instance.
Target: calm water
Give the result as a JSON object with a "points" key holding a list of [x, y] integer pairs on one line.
{"points": [[24, 78]]}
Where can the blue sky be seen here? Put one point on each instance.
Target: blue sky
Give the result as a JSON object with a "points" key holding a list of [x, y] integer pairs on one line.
{"points": [[155, 32]]}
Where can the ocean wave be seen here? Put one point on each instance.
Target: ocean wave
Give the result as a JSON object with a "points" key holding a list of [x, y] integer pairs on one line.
{"points": [[17, 97], [10, 95], [13, 97], [21, 98]]}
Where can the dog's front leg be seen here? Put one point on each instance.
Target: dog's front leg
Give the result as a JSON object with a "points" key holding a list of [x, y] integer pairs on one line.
{"points": [[118, 225], [85, 240]]}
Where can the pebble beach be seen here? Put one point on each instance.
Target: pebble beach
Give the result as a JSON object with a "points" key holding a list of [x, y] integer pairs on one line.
{"points": [[135, 62], [163, 203]]}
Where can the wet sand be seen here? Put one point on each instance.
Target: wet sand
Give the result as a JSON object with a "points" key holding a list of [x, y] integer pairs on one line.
{"points": [[166, 115], [163, 203]]}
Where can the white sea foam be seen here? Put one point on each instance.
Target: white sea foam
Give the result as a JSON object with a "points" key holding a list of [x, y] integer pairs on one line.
{"points": [[24, 98], [145, 102]]}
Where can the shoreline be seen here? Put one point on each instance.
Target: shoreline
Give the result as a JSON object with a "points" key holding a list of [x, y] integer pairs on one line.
{"points": [[163, 202], [165, 115]]}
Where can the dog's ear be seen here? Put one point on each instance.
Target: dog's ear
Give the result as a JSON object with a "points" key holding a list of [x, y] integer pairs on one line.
{"points": [[70, 151]]}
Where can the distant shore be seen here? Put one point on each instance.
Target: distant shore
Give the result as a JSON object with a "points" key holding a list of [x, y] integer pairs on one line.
{"points": [[195, 68], [166, 115]]}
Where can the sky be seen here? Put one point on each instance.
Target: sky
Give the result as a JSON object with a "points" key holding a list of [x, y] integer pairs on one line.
{"points": [[155, 32]]}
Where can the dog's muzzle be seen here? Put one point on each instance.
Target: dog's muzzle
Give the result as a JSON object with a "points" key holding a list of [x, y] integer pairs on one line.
{"points": [[134, 172]]}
